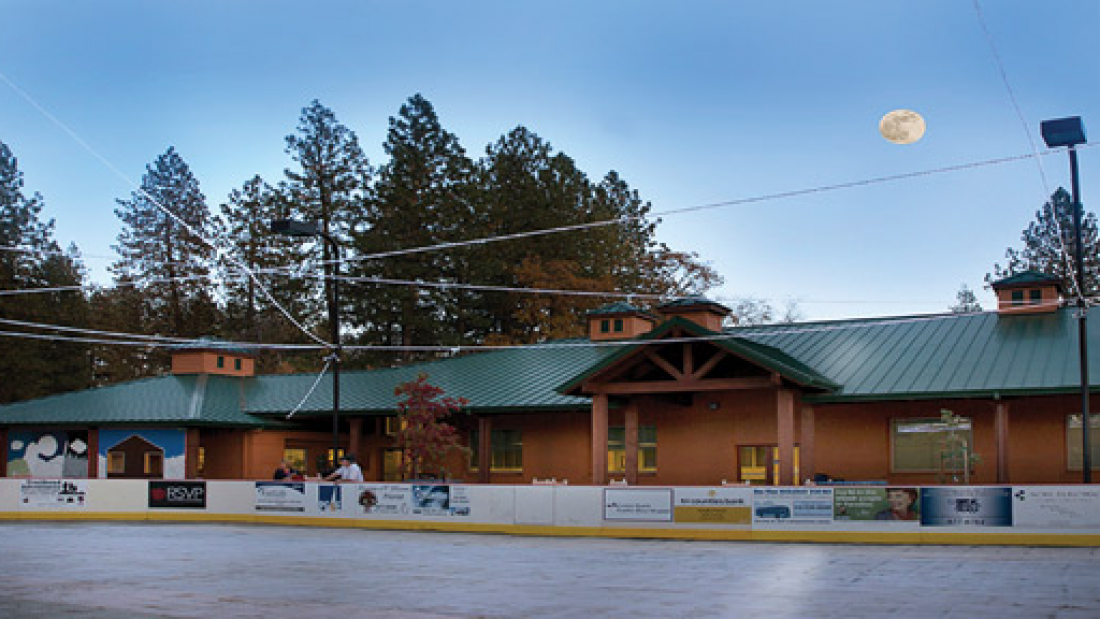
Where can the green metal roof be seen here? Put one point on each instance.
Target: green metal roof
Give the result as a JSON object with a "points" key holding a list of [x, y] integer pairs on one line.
{"points": [[616, 308], [1027, 278], [511, 380], [915, 357], [761, 354], [942, 356], [190, 400]]}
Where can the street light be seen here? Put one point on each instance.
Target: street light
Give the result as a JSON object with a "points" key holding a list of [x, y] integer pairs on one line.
{"points": [[290, 227], [1070, 132]]}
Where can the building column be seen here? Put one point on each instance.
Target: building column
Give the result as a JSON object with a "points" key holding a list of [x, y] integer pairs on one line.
{"points": [[785, 402], [378, 452], [93, 453], [806, 444], [599, 439], [191, 451], [484, 449], [246, 455], [355, 431], [631, 431], [1000, 425]]}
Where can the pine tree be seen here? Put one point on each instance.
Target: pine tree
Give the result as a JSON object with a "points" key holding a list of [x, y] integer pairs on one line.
{"points": [[1050, 244], [250, 314], [168, 257], [31, 259], [965, 301], [421, 197], [330, 182]]}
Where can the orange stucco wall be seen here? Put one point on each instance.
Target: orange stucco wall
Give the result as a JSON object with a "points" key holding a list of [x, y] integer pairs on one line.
{"points": [[633, 326], [1048, 303], [698, 441], [205, 362]]}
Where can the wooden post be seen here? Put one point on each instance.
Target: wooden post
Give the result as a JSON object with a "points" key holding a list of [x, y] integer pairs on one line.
{"points": [[355, 431], [785, 429], [1000, 424], [599, 439], [806, 444], [631, 431], [93, 453], [484, 449]]}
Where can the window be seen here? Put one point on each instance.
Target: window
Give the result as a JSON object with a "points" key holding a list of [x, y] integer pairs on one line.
{"points": [[1073, 441], [918, 444], [1035, 297], [605, 326], [618, 325], [1017, 297], [154, 464], [237, 364], [201, 468], [394, 425], [647, 449], [116, 462], [221, 362], [506, 448], [296, 458]]}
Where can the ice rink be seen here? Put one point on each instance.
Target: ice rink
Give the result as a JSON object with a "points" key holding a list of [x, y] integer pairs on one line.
{"points": [[58, 569]]}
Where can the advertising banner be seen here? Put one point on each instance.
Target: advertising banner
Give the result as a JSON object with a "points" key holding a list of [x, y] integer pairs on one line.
{"points": [[440, 500], [637, 504], [383, 500], [966, 506], [330, 498], [52, 494], [177, 494], [1056, 507], [713, 505], [804, 505], [277, 496], [891, 504]]}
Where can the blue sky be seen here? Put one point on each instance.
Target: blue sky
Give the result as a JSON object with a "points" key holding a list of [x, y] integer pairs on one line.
{"points": [[691, 102]]}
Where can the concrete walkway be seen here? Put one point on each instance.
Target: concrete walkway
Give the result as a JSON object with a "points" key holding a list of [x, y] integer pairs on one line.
{"points": [[182, 570]]}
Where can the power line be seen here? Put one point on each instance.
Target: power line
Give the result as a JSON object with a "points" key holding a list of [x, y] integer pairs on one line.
{"points": [[1030, 140], [139, 189]]}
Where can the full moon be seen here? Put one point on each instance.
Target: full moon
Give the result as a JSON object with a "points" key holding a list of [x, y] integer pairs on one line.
{"points": [[902, 126]]}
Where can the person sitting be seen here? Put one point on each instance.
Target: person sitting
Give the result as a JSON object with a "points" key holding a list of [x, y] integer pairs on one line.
{"points": [[348, 471], [284, 472]]}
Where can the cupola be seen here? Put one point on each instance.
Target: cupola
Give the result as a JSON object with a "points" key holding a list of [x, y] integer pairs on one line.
{"points": [[619, 321], [210, 356], [700, 310], [1029, 292]]}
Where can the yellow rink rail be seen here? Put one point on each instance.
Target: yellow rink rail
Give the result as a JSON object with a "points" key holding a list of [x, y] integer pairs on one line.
{"points": [[964, 538]]}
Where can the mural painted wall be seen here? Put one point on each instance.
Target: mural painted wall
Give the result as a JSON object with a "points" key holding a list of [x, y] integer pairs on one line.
{"points": [[54, 453], [167, 444]]}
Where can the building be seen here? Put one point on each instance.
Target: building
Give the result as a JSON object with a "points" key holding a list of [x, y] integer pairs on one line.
{"points": [[668, 397]]}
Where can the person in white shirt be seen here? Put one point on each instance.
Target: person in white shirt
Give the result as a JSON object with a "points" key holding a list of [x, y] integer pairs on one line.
{"points": [[348, 471]]}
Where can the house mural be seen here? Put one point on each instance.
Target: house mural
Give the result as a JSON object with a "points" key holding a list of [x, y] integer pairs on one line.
{"points": [[142, 453]]}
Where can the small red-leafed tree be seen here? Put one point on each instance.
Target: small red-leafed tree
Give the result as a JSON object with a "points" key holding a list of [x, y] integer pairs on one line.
{"points": [[424, 435]]}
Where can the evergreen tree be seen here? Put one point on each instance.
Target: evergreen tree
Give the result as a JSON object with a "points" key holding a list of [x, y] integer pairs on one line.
{"points": [[329, 184], [30, 259], [168, 260], [421, 197], [1050, 245], [965, 301]]}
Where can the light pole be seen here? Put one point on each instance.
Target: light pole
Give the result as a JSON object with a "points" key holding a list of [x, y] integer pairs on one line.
{"points": [[290, 227], [1070, 132]]}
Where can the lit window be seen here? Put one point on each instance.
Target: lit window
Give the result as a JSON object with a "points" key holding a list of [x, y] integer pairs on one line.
{"points": [[1074, 441], [154, 464], [921, 445], [647, 449], [394, 425], [116, 462], [296, 458], [506, 447]]}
